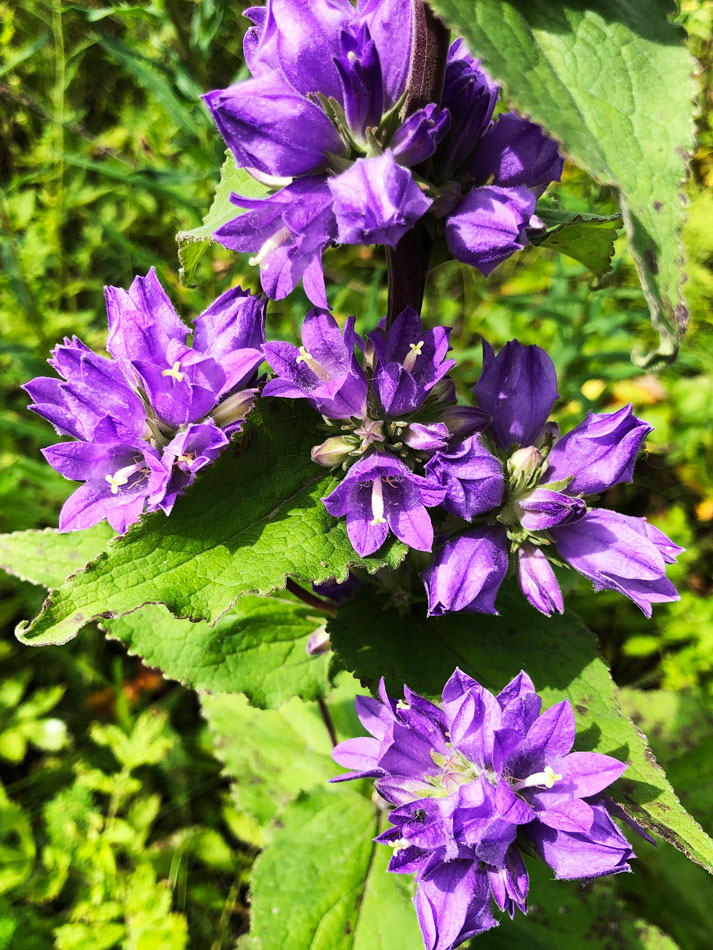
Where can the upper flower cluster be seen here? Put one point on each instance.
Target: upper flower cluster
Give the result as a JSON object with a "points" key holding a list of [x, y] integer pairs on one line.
{"points": [[321, 118], [472, 781], [147, 420]]}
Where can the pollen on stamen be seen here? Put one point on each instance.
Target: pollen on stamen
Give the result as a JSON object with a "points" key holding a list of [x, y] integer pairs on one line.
{"points": [[304, 356], [175, 372]]}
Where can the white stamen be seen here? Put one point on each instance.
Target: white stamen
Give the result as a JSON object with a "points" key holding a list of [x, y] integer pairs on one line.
{"points": [[272, 243], [175, 372], [120, 478], [410, 360], [377, 502], [544, 779]]}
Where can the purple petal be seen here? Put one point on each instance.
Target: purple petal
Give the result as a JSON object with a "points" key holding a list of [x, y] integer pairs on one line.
{"points": [[599, 452], [390, 24], [376, 201], [360, 755], [515, 152], [544, 509], [488, 225], [472, 476], [603, 850], [574, 816], [589, 772], [552, 734], [270, 127]]}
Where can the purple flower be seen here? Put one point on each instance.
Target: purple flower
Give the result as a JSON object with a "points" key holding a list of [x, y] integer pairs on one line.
{"points": [[388, 416], [376, 201], [380, 494], [324, 370], [472, 477], [467, 572], [618, 552], [410, 360], [518, 387], [287, 233], [471, 779], [325, 77], [490, 175], [148, 420], [599, 452], [541, 514], [488, 226]]}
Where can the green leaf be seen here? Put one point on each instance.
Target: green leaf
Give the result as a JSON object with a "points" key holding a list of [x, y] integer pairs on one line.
{"points": [[306, 886], [250, 520], [193, 244], [47, 557], [259, 649], [613, 82], [271, 754], [587, 238], [562, 658], [387, 917]]}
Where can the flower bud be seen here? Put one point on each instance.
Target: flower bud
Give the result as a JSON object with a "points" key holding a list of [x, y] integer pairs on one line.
{"points": [[319, 641], [462, 421], [523, 463], [333, 451], [443, 392], [234, 409]]}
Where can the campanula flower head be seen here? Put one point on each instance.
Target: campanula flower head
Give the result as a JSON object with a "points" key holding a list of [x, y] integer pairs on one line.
{"points": [[542, 516], [388, 406], [146, 421], [321, 119], [472, 780]]}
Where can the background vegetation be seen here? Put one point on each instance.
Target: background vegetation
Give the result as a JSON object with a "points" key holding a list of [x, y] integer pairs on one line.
{"points": [[117, 827]]}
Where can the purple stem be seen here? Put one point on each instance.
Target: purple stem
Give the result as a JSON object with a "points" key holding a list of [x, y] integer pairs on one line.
{"points": [[408, 263]]}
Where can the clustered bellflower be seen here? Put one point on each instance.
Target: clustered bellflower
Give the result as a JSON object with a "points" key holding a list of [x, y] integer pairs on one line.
{"points": [[389, 412], [321, 119], [146, 421], [546, 482], [474, 782]]}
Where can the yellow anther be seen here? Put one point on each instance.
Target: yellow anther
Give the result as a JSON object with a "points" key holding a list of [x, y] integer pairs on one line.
{"points": [[175, 372], [116, 481], [550, 777], [305, 356], [185, 458]]}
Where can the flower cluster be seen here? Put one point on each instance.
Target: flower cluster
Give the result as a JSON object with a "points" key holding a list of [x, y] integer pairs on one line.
{"points": [[544, 516], [474, 782], [321, 118], [515, 492], [389, 416], [147, 420]]}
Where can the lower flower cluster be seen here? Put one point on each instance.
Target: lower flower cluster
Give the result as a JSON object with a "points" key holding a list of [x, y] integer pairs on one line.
{"points": [[475, 782]]}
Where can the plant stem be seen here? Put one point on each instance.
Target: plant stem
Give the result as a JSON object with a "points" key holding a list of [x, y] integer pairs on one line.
{"points": [[310, 599], [408, 262], [327, 719]]}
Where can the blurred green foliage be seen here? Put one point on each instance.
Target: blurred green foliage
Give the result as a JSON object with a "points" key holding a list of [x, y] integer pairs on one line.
{"points": [[116, 828]]}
